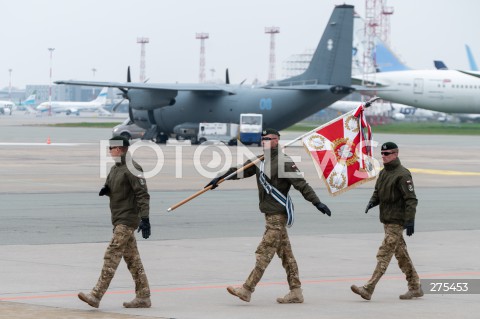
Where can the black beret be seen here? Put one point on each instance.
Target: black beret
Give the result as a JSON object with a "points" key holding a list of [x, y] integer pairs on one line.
{"points": [[269, 131], [117, 139], [389, 146]]}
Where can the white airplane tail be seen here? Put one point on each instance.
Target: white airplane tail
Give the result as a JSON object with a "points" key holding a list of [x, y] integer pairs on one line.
{"points": [[30, 101], [102, 97]]}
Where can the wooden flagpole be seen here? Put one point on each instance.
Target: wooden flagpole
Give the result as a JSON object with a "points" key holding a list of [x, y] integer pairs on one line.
{"points": [[200, 192]]}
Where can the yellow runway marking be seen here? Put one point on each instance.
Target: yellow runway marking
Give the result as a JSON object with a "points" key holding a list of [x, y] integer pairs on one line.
{"points": [[442, 172]]}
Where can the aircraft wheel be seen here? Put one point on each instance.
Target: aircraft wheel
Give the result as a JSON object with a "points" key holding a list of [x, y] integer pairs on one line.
{"points": [[202, 140], [161, 138], [127, 135]]}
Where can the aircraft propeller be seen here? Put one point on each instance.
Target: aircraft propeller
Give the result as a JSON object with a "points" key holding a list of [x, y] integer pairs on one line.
{"points": [[125, 96], [227, 78]]}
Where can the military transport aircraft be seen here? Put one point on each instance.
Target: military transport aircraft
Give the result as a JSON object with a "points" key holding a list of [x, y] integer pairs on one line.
{"points": [[161, 107]]}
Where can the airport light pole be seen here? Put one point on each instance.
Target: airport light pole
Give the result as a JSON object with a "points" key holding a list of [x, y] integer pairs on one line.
{"points": [[10, 84], [93, 88], [50, 84]]}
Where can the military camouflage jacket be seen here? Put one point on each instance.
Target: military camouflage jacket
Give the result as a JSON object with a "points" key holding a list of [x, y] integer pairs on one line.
{"points": [[129, 198], [282, 179], [395, 193]]}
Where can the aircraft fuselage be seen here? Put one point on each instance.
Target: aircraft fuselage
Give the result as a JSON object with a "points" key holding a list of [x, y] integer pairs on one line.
{"points": [[280, 108], [446, 91]]}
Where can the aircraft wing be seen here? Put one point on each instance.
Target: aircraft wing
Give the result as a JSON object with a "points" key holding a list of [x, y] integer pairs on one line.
{"points": [[376, 84], [150, 86], [372, 88], [306, 87], [313, 87], [472, 73]]}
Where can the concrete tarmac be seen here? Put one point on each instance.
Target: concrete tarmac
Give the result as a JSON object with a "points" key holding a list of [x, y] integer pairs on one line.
{"points": [[55, 229]]}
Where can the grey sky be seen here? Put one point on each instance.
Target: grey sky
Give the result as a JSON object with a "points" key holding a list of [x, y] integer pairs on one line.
{"points": [[102, 34]]}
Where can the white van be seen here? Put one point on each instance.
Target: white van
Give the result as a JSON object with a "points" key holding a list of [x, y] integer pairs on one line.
{"points": [[128, 129], [223, 132]]}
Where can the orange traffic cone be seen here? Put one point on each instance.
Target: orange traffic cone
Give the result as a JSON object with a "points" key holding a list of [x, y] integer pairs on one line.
{"points": [[48, 140]]}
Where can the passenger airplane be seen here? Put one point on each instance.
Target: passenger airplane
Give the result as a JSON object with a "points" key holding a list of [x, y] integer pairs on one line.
{"points": [[448, 91], [76, 107], [160, 108], [395, 111], [463, 117]]}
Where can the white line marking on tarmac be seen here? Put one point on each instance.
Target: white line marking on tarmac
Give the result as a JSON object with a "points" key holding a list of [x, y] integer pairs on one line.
{"points": [[45, 144]]}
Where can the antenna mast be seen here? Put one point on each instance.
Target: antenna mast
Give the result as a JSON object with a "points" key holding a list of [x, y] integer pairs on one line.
{"points": [[271, 68], [202, 36], [142, 42]]}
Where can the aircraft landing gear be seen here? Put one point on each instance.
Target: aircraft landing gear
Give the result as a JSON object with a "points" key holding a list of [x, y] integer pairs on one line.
{"points": [[161, 138]]}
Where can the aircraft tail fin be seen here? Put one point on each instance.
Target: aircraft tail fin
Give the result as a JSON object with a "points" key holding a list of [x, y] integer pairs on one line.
{"points": [[471, 60], [440, 65], [332, 61], [102, 97], [387, 60], [30, 100]]}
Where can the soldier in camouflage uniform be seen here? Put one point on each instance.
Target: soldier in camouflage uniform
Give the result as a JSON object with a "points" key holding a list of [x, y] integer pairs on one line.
{"points": [[129, 205], [281, 172], [395, 193]]}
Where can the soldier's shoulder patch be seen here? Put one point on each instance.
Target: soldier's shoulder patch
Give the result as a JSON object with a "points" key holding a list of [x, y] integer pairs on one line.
{"points": [[410, 185], [295, 168]]}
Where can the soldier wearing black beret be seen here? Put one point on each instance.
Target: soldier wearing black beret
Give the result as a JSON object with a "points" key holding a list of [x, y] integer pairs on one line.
{"points": [[395, 193]]}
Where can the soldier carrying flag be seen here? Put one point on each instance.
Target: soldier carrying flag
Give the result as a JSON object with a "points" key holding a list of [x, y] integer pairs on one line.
{"points": [[275, 175]]}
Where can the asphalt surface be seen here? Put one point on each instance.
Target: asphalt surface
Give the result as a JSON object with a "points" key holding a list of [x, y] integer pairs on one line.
{"points": [[55, 229]]}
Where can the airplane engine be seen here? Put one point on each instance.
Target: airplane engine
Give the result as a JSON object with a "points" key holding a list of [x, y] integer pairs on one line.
{"points": [[339, 89], [146, 100], [398, 116]]}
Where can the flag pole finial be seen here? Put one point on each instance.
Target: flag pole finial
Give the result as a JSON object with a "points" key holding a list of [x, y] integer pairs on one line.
{"points": [[369, 102]]}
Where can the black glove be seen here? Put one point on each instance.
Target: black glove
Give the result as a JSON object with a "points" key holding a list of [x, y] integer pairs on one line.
{"points": [[104, 191], [410, 227], [214, 182], [144, 227], [370, 205], [323, 208]]}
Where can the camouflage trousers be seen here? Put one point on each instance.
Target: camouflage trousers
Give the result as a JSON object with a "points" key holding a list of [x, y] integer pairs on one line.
{"points": [[393, 244], [275, 240], [123, 244]]}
